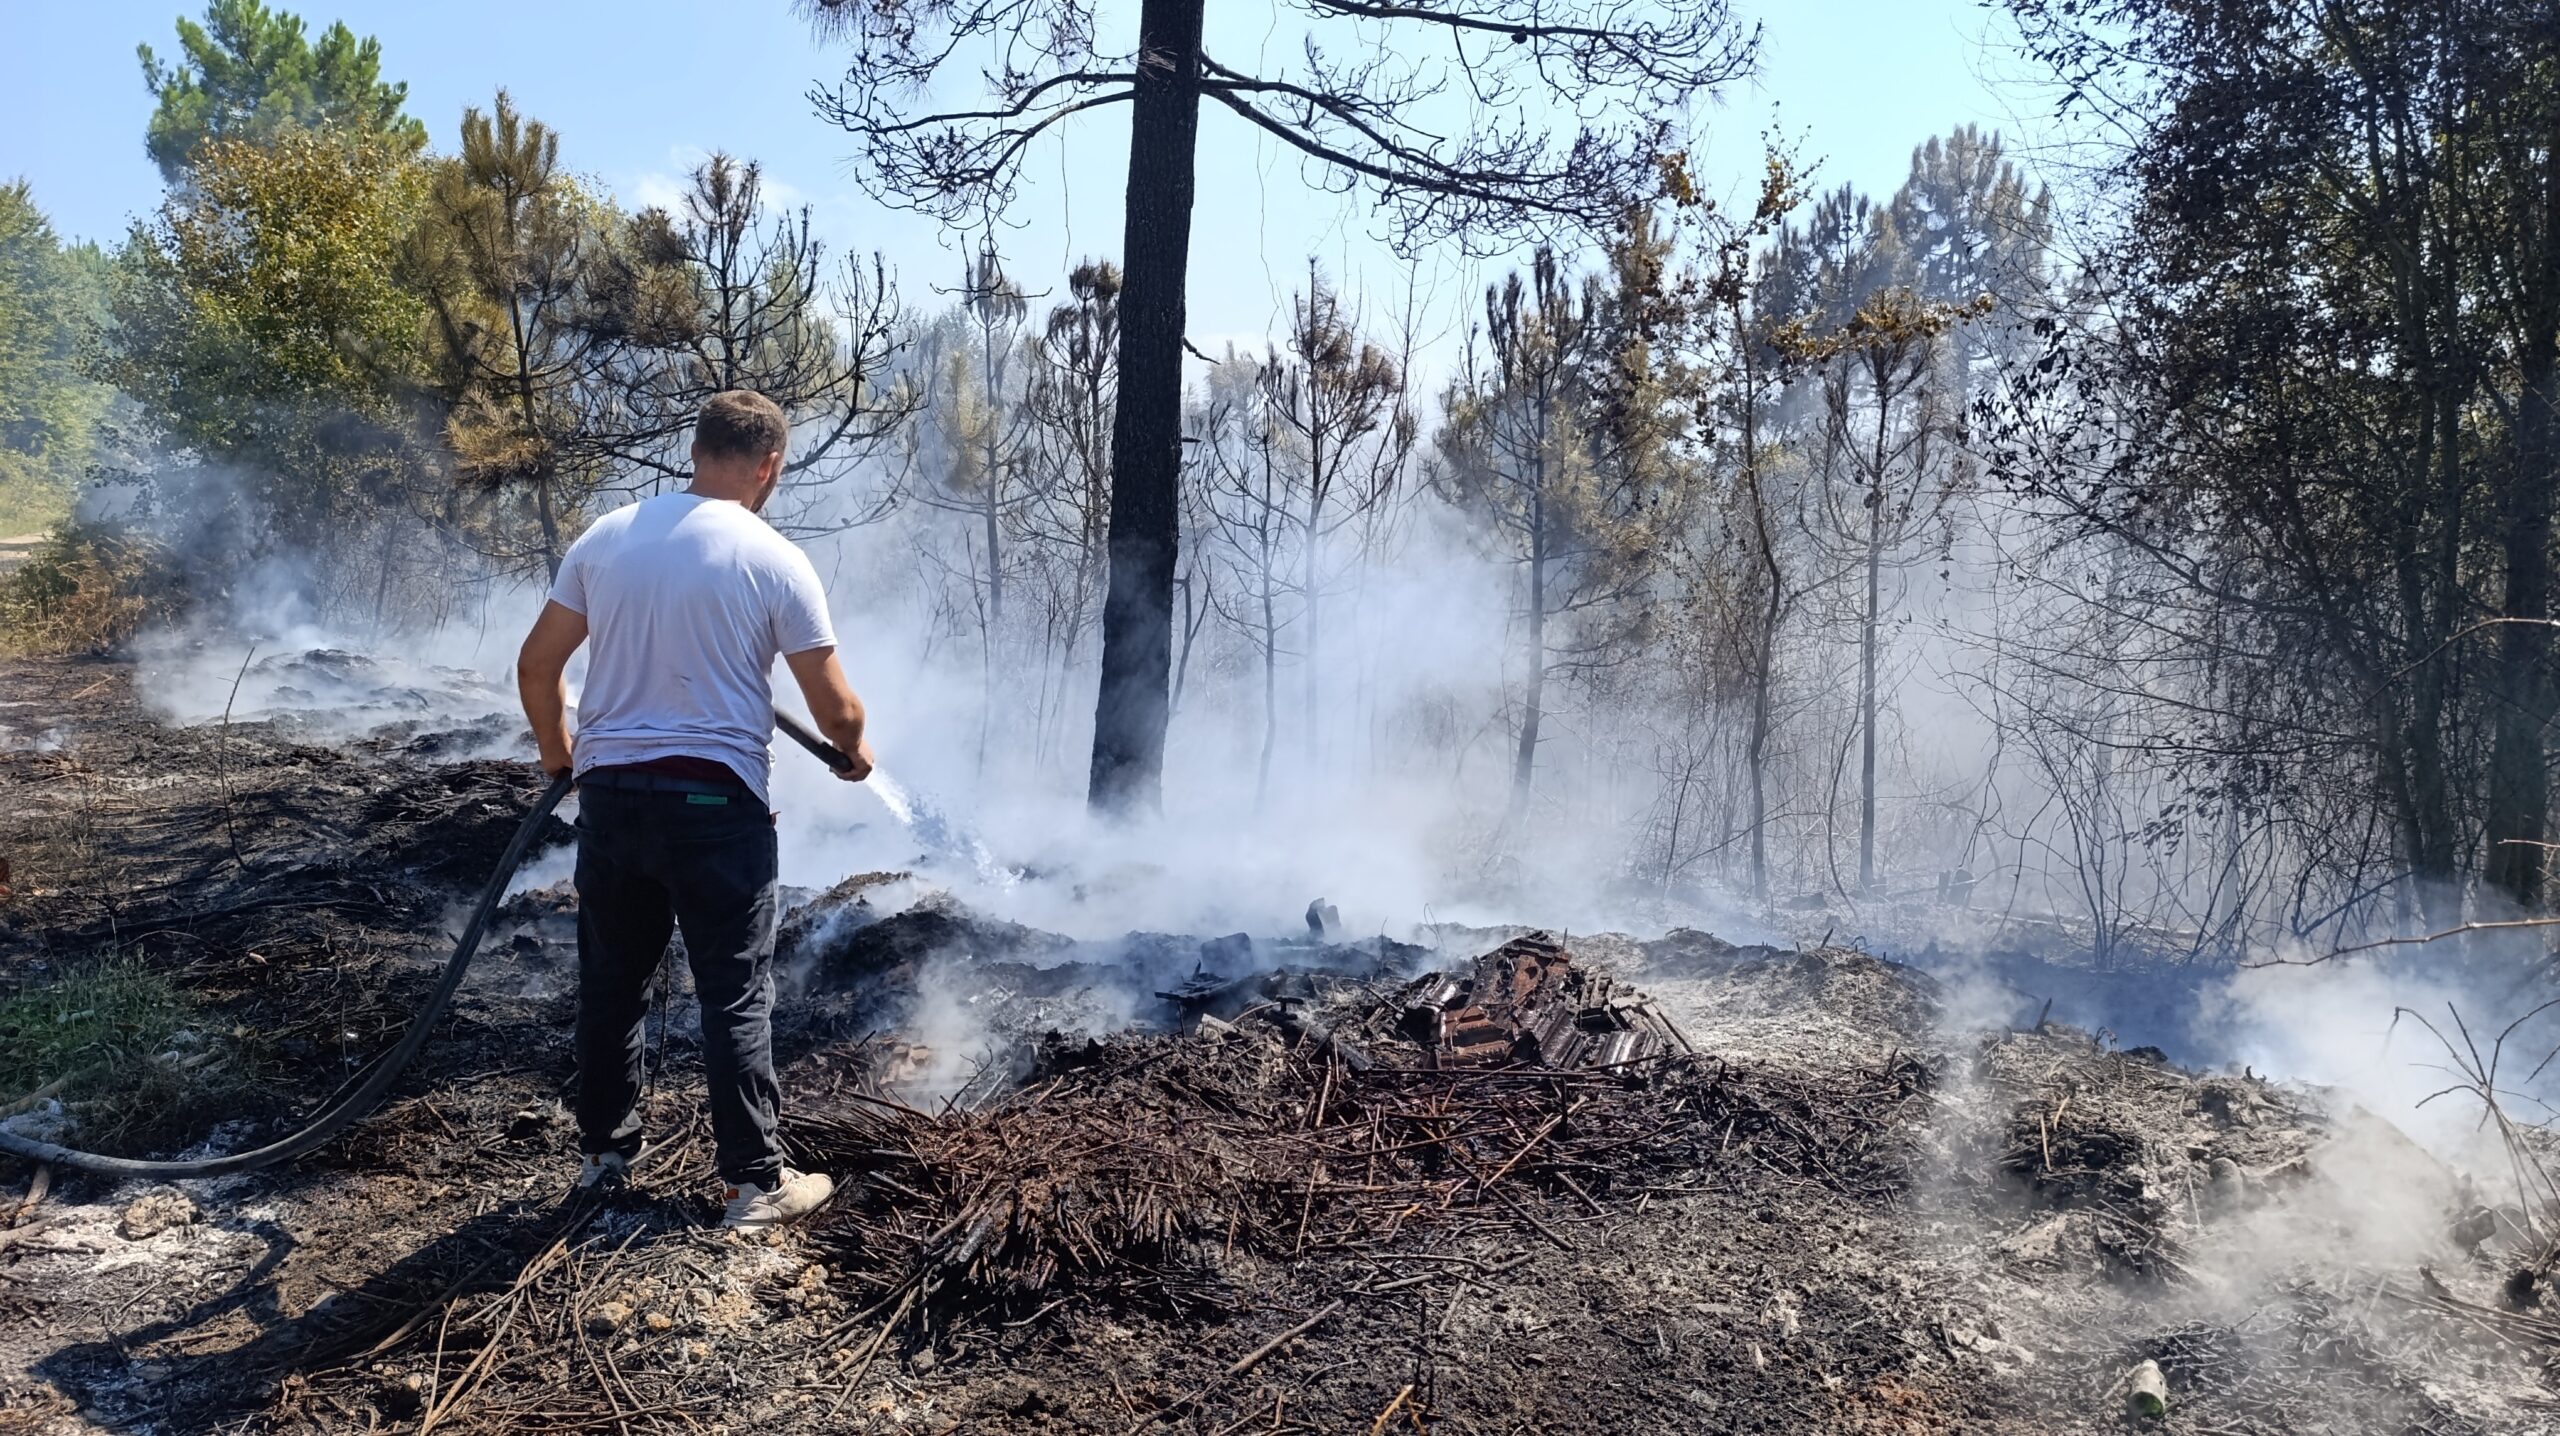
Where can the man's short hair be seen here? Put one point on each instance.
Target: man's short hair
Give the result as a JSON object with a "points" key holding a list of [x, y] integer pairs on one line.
{"points": [[740, 424]]}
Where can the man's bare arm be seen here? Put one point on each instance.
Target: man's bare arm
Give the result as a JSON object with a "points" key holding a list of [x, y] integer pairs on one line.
{"points": [[833, 706], [542, 667]]}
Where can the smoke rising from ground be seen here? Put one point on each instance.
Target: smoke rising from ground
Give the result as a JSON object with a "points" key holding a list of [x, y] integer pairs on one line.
{"points": [[1390, 806]]}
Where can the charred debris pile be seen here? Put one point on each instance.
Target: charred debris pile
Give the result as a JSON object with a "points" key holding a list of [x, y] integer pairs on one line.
{"points": [[1255, 1101], [1285, 1143], [1327, 1115], [2286, 1260]]}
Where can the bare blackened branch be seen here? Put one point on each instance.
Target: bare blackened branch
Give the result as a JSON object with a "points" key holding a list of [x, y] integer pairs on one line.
{"points": [[1542, 114], [1439, 201], [1679, 48]]}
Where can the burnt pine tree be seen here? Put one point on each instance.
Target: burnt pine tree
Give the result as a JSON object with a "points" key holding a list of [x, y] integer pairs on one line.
{"points": [[983, 444], [1248, 508], [1341, 402], [1073, 393], [1073, 389], [1476, 120], [721, 292], [1875, 350], [1552, 447], [1512, 456]]}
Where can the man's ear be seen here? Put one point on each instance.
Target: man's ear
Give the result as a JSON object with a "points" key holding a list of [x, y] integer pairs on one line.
{"points": [[768, 479]]}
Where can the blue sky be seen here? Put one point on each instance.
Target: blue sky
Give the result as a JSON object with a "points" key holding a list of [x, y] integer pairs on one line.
{"points": [[641, 90]]}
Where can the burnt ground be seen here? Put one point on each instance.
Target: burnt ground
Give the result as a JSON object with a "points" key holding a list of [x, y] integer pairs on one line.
{"points": [[1828, 1215]]}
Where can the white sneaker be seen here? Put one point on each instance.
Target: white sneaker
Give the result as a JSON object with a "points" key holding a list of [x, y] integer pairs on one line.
{"points": [[601, 1169], [796, 1196]]}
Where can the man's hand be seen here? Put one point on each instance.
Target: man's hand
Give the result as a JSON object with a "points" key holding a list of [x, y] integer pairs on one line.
{"points": [[541, 666], [833, 707], [862, 764]]}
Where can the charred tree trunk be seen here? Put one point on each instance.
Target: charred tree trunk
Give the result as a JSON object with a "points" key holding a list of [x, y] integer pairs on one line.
{"points": [[550, 520], [518, 324], [1763, 678], [2415, 775], [1146, 431], [2517, 820], [1533, 700], [1867, 661], [2519, 785], [1307, 577], [1270, 683], [1764, 659], [2428, 542], [1195, 612], [382, 580], [991, 499], [990, 523]]}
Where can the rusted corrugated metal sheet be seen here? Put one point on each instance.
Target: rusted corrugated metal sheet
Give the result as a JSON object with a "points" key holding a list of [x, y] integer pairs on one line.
{"points": [[1526, 1003]]}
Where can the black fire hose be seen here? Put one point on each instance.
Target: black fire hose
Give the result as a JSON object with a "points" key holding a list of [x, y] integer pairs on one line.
{"points": [[344, 1112], [819, 748]]}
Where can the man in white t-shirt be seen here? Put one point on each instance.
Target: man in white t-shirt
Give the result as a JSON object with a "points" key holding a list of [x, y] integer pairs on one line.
{"points": [[684, 601]]}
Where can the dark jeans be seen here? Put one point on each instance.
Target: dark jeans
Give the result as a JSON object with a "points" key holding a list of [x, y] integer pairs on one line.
{"points": [[648, 861]]}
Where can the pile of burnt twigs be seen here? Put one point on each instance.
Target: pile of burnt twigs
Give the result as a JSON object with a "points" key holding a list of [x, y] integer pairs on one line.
{"points": [[1137, 1176]]}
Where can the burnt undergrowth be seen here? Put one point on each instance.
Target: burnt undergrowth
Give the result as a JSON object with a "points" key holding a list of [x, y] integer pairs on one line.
{"points": [[1500, 1183]]}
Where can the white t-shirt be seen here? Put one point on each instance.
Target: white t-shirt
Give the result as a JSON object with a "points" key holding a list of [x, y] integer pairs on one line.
{"points": [[688, 601]]}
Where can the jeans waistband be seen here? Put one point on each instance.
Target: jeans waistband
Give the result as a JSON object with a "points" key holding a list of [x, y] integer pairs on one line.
{"points": [[629, 781]]}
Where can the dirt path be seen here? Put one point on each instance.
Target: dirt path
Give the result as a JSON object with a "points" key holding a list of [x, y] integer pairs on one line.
{"points": [[17, 550]]}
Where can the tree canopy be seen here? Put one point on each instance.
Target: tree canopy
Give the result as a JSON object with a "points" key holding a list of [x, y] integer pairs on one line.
{"points": [[248, 72], [261, 325]]}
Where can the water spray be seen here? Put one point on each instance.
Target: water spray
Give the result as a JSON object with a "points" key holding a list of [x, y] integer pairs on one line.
{"points": [[940, 835]]}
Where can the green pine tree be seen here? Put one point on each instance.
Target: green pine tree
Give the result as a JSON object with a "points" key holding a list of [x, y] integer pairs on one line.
{"points": [[248, 72]]}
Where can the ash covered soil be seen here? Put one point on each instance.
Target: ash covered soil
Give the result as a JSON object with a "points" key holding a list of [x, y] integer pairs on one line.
{"points": [[1482, 1181]]}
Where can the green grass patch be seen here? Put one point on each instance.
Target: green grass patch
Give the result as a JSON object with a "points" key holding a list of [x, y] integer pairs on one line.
{"points": [[135, 1055]]}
